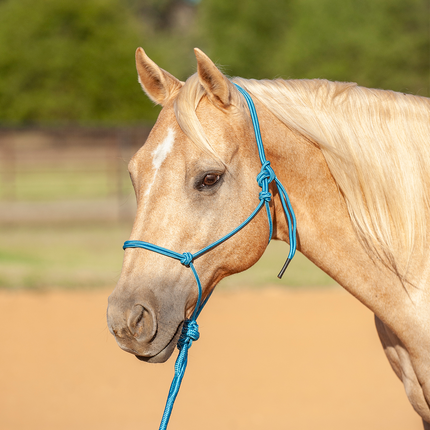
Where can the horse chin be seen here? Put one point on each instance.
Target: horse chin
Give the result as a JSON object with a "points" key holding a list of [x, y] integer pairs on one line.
{"points": [[166, 352]]}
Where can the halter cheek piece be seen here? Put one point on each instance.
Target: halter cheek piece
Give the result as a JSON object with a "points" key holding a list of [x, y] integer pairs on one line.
{"points": [[190, 328]]}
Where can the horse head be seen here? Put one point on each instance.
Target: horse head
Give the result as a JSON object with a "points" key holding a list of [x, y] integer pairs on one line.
{"points": [[195, 181], [355, 161]]}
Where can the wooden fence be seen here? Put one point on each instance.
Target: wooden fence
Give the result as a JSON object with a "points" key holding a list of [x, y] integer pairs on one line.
{"points": [[67, 174]]}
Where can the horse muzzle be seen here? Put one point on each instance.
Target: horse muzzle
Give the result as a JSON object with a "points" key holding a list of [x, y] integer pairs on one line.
{"points": [[138, 331]]}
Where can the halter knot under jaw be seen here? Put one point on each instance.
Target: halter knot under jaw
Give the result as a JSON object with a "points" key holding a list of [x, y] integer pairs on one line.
{"points": [[187, 259], [190, 332]]}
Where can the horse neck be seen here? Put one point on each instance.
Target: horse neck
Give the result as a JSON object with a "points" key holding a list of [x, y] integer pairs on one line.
{"points": [[324, 229]]}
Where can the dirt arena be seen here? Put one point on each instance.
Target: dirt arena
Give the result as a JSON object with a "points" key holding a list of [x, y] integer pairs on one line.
{"points": [[266, 359]]}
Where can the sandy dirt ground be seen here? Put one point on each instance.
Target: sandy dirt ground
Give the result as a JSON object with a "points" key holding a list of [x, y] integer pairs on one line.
{"points": [[266, 359]]}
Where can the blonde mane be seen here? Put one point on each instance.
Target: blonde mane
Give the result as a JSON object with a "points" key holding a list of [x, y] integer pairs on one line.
{"points": [[376, 144]]}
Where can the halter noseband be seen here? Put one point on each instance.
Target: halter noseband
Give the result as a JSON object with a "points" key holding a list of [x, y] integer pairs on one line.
{"points": [[190, 327]]}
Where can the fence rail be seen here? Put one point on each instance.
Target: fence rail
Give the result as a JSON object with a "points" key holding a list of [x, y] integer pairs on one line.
{"points": [[67, 174]]}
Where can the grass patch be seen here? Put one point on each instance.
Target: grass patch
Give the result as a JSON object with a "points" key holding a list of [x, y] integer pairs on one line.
{"points": [[65, 182], [76, 256], [89, 256]]}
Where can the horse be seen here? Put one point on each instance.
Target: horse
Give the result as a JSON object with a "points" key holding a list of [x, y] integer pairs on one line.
{"points": [[354, 162]]}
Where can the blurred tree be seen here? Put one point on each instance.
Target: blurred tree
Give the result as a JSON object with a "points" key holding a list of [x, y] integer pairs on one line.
{"points": [[69, 61], [169, 27], [244, 34], [383, 44]]}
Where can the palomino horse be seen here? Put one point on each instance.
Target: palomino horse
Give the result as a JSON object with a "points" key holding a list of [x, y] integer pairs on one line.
{"points": [[355, 164]]}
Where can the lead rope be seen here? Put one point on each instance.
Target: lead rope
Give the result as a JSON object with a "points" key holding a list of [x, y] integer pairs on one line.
{"points": [[190, 328]]}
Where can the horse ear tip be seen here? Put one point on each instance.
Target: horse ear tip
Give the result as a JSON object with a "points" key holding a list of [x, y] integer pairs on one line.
{"points": [[140, 52], [200, 54]]}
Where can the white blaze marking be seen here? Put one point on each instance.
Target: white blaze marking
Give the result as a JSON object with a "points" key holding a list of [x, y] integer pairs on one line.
{"points": [[160, 153], [163, 149]]}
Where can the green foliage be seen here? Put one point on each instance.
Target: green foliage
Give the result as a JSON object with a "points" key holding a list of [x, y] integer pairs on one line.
{"points": [[244, 34], [69, 61], [383, 44]]}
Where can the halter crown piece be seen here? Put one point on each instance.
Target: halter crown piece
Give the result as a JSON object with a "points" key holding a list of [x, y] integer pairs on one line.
{"points": [[190, 328]]}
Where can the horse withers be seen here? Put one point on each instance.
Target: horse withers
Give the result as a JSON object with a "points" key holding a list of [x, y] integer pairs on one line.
{"points": [[354, 163]]}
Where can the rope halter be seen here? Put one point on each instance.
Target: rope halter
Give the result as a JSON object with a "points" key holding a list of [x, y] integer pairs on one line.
{"points": [[190, 329]]}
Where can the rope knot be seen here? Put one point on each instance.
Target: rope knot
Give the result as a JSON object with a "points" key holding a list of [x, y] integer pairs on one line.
{"points": [[265, 195], [266, 174], [187, 259], [190, 332]]}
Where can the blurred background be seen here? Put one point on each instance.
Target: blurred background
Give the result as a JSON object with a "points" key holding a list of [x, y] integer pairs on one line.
{"points": [[72, 114]]}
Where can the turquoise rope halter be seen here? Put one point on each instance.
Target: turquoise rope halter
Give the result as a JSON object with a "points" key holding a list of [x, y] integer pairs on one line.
{"points": [[190, 328]]}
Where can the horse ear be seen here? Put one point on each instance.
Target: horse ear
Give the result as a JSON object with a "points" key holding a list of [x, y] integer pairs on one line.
{"points": [[158, 84], [217, 86]]}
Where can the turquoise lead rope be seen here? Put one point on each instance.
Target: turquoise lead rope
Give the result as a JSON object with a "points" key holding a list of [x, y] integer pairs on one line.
{"points": [[190, 328]]}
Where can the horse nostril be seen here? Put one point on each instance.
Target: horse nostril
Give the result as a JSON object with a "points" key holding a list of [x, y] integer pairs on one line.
{"points": [[141, 323]]}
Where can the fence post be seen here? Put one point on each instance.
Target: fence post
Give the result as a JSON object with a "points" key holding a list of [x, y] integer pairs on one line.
{"points": [[123, 150], [8, 167]]}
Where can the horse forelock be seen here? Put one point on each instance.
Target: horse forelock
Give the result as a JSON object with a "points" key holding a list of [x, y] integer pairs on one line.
{"points": [[185, 107], [376, 145]]}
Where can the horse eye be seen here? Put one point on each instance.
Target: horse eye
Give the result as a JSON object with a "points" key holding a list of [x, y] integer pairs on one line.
{"points": [[210, 180]]}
